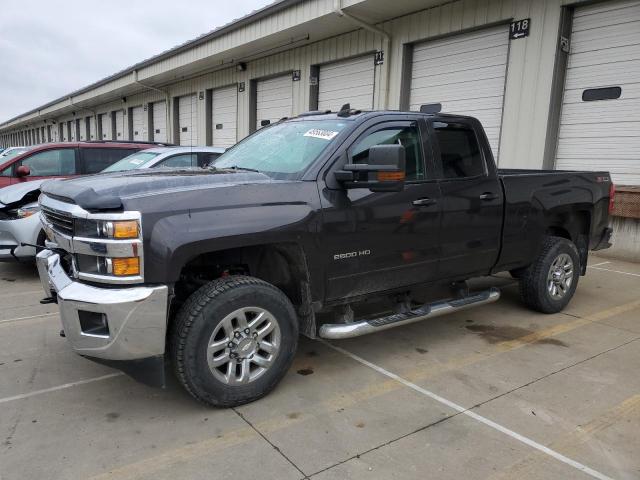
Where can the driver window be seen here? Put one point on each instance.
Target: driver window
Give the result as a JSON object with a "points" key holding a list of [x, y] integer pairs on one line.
{"points": [[52, 163], [408, 137], [180, 161]]}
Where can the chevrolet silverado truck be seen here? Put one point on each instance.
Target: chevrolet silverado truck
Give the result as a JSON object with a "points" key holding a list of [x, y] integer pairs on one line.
{"points": [[331, 225]]}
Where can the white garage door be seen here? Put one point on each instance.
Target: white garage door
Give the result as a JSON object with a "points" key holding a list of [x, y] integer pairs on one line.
{"points": [[188, 119], [137, 122], [224, 112], [105, 125], [160, 121], [466, 74], [120, 125], [274, 100], [600, 120], [81, 131], [349, 81]]}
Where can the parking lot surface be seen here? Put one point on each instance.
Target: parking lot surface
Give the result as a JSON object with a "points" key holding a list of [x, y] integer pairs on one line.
{"points": [[495, 392]]}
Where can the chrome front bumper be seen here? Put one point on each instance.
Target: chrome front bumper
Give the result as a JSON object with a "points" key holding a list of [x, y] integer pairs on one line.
{"points": [[136, 316]]}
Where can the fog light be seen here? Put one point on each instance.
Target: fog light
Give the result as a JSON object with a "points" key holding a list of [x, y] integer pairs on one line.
{"points": [[125, 266], [93, 323]]}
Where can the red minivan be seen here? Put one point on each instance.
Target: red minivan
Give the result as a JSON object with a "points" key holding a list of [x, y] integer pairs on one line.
{"points": [[56, 160]]}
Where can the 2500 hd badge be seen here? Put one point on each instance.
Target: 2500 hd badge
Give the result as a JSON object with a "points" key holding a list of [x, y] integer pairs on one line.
{"points": [[360, 253]]}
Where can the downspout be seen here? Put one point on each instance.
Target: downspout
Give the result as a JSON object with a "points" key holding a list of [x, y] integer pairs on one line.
{"points": [[386, 46], [166, 103]]}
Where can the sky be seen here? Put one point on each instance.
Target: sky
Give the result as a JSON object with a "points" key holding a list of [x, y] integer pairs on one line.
{"points": [[49, 49]]}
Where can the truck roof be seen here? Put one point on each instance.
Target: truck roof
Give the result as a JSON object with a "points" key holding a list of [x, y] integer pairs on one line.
{"points": [[355, 115]]}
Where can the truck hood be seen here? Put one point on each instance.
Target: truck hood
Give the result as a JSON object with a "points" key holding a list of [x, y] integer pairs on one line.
{"points": [[107, 191], [15, 193]]}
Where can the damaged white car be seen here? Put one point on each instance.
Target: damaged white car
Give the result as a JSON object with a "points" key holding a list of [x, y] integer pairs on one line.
{"points": [[20, 227]]}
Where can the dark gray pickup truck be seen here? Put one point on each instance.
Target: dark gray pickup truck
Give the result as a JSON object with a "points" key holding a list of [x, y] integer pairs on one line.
{"points": [[216, 271]]}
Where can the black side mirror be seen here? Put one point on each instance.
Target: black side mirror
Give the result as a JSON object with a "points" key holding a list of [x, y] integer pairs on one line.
{"points": [[385, 171]]}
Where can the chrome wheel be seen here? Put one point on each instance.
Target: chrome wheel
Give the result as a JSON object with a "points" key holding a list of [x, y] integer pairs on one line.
{"points": [[560, 276], [243, 346]]}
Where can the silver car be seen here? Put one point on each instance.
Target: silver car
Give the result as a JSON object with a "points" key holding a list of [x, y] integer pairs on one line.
{"points": [[18, 203], [171, 157]]}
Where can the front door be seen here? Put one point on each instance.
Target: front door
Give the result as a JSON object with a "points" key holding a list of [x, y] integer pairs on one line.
{"points": [[376, 241]]}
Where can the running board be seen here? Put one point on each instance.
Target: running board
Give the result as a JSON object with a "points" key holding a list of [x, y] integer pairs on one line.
{"points": [[338, 331]]}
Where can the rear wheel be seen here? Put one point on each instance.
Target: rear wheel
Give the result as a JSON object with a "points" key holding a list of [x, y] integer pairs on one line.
{"points": [[549, 283], [233, 341]]}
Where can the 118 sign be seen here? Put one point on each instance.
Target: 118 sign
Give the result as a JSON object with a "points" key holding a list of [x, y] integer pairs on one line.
{"points": [[519, 29]]}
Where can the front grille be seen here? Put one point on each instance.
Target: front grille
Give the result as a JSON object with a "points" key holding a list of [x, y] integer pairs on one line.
{"points": [[61, 221]]}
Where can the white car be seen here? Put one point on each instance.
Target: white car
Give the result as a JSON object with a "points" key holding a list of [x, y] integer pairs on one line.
{"points": [[19, 203], [170, 157]]}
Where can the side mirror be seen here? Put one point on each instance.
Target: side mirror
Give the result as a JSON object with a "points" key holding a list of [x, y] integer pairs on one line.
{"points": [[385, 171], [23, 171]]}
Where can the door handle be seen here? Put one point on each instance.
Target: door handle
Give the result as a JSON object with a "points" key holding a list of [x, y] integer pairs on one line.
{"points": [[488, 196], [424, 202]]}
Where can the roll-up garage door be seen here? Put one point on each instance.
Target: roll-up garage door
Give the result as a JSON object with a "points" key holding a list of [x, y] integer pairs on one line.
{"points": [[349, 81], [465, 73], [188, 119], [105, 126], [71, 134], [224, 113], [159, 118], [137, 123], [81, 132], [274, 100], [600, 120], [120, 125]]}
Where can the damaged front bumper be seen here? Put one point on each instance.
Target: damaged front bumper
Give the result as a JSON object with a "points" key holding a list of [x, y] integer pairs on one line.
{"points": [[120, 327]]}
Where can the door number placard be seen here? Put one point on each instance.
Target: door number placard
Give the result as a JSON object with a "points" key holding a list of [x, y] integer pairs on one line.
{"points": [[519, 29]]}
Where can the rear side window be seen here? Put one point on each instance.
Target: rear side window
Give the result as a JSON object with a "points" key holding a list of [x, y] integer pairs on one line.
{"points": [[51, 163], [97, 159], [180, 161], [459, 150]]}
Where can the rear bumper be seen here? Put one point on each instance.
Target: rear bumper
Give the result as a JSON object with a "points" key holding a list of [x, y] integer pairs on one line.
{"points": [[605, 239], [109, 325]]}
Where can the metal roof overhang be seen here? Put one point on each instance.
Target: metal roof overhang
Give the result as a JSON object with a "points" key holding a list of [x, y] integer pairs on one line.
{"points": [[122, 84]]}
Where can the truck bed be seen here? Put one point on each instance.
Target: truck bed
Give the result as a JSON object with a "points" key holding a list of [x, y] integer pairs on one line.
{"points": [[536, 199]]}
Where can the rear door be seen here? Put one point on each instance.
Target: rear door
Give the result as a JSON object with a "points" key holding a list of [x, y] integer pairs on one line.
{"points": [[377, 241], [94, 160], [471, 199]]}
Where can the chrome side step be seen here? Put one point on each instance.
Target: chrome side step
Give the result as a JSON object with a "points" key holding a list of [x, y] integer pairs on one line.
{"points": [[337, 331]]}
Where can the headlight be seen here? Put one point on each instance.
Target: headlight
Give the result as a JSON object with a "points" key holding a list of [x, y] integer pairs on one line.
{"points": [[27, 210], [119, 230]]}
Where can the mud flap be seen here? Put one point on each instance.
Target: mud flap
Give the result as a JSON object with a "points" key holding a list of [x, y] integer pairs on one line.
{"points": [[150, 371]]}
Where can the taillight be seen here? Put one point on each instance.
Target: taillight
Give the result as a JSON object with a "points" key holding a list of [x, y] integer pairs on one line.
{"points": [[612, 196]]}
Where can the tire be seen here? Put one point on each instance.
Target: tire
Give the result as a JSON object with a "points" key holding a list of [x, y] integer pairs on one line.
{"points": [[539, 288], [211, 320]]}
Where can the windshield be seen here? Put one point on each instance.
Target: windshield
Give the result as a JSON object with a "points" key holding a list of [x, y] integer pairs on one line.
{"points": [[10, 153], [133, 161], [283, 150]]}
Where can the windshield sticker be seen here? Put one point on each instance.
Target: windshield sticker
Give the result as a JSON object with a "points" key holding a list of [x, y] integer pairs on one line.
{"points": [[323, 134], [136, 162]]}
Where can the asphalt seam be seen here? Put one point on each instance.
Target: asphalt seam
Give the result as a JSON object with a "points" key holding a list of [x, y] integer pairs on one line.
{"points": [[553, 373], [277, 449], [471, 408]]}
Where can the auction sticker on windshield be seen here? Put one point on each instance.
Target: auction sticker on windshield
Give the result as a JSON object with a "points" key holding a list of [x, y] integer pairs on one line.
{"points": [[323, 134]]}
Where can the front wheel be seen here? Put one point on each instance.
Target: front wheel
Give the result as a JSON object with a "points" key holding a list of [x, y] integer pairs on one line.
{"points": [[549, 283], [233, 340]]}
